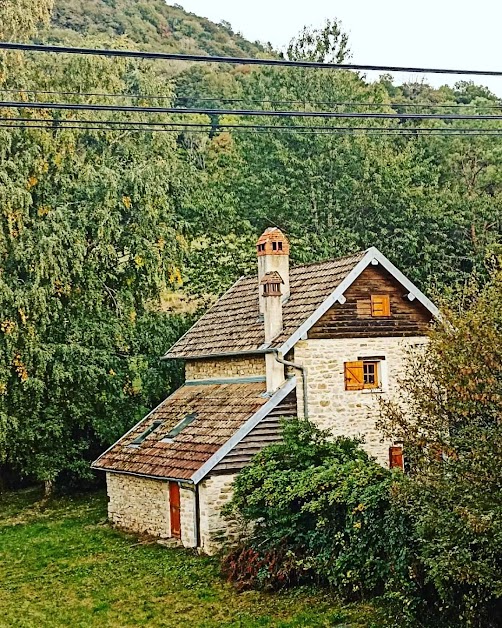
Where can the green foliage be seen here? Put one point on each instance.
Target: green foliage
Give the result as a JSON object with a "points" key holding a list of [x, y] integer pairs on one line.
{"points": [[320, 510], [19, 19], [450, 422], [89, 243], [322, 45]]}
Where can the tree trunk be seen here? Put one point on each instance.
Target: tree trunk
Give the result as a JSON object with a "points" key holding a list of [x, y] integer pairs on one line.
{"points": [[48, 489]]}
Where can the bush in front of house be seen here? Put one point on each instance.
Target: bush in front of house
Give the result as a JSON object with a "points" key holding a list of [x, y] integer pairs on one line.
{"points": [[449, 414], [321, 511]]}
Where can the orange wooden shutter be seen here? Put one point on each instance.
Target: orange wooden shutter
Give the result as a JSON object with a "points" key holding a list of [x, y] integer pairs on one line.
{"points": [[354, 376], [174, 509], [380, 305], [396, 457]]}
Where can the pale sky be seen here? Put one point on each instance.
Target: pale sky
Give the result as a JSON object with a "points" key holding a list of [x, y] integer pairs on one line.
{"points": [[426, 33]]}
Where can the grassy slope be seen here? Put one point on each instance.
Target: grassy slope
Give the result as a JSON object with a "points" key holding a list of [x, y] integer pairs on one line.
{"points": [[150, 23], [62, 565]]}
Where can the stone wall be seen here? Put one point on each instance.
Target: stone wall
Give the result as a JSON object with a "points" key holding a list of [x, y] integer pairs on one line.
{"points": [[214, 492], [187, 516], [350, 412], [137, 504], [225, 367]]}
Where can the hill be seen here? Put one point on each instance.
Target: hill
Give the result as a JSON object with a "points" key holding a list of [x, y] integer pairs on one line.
{"points": [[151, 24]]}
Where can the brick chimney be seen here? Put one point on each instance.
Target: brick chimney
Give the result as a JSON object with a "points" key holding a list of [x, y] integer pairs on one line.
{"points": [[273, 284]]}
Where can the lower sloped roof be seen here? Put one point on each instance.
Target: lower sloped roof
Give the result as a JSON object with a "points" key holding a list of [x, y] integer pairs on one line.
{"points": [[220, 410]]}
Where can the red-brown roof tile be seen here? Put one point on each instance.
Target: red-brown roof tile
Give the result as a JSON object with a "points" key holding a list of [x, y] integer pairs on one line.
{"points": [[221, 409]]}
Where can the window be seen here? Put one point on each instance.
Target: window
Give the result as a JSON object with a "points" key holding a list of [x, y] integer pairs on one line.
{"points": [[139, 439], [380, 305], [363, 374], [261, 247], [370, 374], [185, 422]]}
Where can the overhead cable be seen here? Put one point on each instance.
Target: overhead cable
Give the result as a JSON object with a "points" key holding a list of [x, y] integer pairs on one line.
{"points": [[222, 125], [14, 123], [305, 101], [246, 112], [137, 54]]}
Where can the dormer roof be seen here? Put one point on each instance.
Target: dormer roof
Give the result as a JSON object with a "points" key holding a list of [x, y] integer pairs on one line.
{"points": [[272, 277]]}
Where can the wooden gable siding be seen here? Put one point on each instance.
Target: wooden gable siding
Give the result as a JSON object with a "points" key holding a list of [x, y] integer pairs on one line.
{"points": [[266, 432], [353, 319]]}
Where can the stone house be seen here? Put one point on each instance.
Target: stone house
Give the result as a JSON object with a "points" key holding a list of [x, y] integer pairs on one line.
{"points": [[323, 340]]}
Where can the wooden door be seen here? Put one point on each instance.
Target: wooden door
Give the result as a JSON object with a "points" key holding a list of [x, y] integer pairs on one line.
{"points": [[396, 457], [174, 507]]}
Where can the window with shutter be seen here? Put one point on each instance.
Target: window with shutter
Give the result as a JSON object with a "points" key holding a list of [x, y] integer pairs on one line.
{"points": [[362, 374], [380, 305]]}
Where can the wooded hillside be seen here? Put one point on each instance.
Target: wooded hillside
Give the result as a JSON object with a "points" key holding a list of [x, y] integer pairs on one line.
{"points": [[151, 24]]}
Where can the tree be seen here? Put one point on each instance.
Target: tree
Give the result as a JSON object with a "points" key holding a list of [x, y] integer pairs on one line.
{"points": [[329, 44], [450, 422], [88, 245], [20, 19], [317, 509]]}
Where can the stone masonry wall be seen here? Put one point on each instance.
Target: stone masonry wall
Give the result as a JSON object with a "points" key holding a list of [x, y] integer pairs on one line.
{"points": [[138, 504], [214, 492], [187, 517], [225, 367], [350, 412]]}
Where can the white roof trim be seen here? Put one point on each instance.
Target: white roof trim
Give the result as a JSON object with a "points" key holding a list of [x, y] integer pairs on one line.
{"points": [[372, 256], [244, 430]]}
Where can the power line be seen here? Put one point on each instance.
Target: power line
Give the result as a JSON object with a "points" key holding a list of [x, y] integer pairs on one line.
{"points": [[305, 101], [174, 128], [108, 52], [246, 112], [218, 126]]}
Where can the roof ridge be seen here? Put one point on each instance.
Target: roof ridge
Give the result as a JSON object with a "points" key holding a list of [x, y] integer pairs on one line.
{"points": [[331, 259], [361, 252]]}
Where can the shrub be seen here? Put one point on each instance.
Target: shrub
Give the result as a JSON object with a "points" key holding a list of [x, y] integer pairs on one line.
{"points": [[321, 510], [450, 421]]}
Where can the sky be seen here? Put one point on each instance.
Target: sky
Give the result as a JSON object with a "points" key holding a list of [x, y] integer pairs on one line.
{"points": [[427, 33]]}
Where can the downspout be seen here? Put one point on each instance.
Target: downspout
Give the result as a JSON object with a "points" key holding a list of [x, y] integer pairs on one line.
{"points": [[303, 371], [197, 517]]}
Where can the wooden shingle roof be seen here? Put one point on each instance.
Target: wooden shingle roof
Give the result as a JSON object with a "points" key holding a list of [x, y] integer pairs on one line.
{"points": [[233, 325], [219, 410]]}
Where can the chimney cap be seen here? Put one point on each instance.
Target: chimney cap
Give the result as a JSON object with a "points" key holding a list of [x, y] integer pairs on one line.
{"points": [[272, 277], [272, 242]]}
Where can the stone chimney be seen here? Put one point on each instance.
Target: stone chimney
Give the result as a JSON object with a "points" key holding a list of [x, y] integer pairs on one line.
{"points": [[273, 286], [273, 255], [272, 303]]}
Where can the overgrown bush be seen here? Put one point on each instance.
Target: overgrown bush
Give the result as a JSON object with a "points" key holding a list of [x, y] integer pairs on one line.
{"points": [[450, 419], [321, 510]]}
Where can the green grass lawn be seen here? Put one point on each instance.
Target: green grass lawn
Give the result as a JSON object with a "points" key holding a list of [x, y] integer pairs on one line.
{"points": [[61, 564]]}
